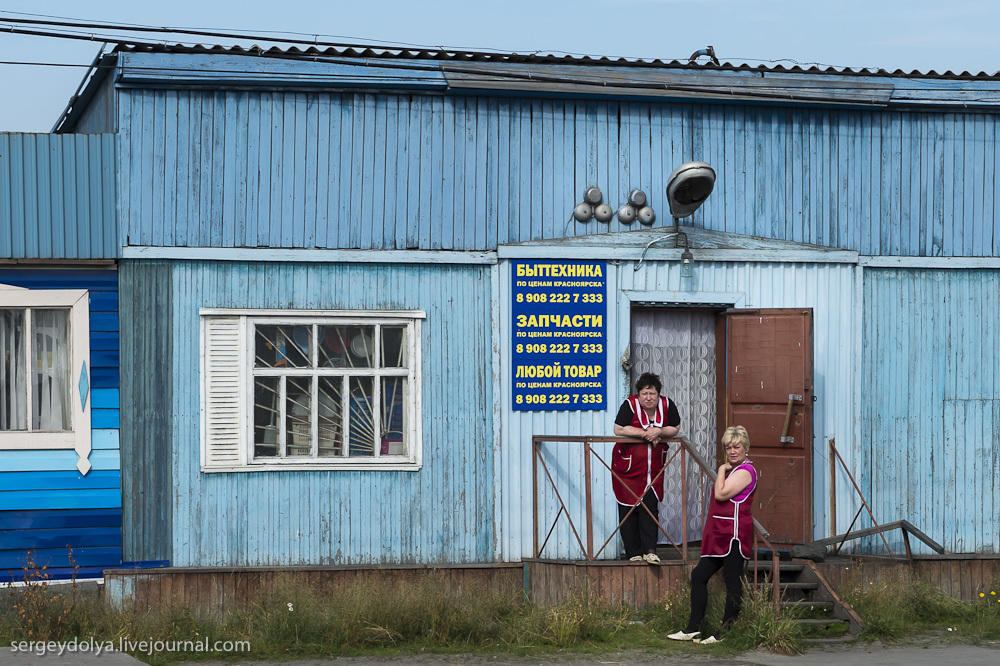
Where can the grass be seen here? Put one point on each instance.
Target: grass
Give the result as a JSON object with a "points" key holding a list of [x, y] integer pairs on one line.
{"points": [[290, 620], [897, 608]]}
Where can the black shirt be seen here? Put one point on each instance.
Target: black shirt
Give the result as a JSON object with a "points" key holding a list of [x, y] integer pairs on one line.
{"points": [[624, 417]]}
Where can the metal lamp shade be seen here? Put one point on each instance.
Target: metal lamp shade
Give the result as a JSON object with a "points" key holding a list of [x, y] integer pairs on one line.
{"points": [[688, 187]]}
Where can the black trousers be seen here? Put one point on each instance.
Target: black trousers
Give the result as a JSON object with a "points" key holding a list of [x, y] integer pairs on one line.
{"points": [[639, 530], [732, 572]]}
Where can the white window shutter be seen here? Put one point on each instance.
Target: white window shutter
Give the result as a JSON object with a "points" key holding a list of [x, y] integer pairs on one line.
{"points": [[222, 393]]}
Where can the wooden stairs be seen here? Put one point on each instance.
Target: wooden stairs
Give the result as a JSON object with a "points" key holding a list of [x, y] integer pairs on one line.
{"points": [[810, 600]]}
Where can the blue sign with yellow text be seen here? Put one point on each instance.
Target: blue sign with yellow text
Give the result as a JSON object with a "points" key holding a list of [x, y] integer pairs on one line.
{"points": [[559, 335]]}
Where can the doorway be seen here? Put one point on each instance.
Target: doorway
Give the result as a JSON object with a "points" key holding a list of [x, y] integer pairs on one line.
{"points": [[723, 367], [679, 345]]}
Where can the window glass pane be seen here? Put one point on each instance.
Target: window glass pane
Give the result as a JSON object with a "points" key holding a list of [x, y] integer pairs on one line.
{"points": [[362, 433], [282, 346], [13, 392], [265, 416], [346, 346], [330, 412], [394, 347], [50, 407], [298, 416], [394, 423]]}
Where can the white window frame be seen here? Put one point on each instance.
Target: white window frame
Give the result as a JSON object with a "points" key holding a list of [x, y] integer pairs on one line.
{"points": [[247, 319], [78, 435]]}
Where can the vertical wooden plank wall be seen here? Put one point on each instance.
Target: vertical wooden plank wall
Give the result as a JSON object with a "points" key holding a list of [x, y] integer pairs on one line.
{"points": [[100, 113], [147, 424], [827, 288], [930, 415], [441, 513], [397, 171]]}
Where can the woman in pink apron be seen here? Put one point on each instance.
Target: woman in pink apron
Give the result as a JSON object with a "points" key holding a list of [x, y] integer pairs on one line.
{"points": [[727, 540], [637, 468]]}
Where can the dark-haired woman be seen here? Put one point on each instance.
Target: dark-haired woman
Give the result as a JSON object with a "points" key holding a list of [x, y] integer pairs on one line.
{"points": [[727, 540], [637, 467]]}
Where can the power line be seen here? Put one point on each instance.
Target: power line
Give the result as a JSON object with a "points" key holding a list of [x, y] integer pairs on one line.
{"points": [[181, 30], [447, 66], [315, 42], [382, 44], [228, 35]]}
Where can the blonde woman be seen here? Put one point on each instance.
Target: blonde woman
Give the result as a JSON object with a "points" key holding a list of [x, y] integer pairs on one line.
{"points": [[727, 539]]}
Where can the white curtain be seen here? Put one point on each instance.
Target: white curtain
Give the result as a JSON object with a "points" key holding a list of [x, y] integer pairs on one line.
{"points": [[50, 372], [13, 393], [679, 346]]}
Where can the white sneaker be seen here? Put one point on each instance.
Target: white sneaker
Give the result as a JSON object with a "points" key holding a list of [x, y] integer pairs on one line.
{"points": [[708, 641], [652, 558], [636, 558], [682, 636]]}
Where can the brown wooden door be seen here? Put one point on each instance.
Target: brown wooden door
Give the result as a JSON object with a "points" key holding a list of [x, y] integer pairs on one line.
{"points": [[768, 361]]}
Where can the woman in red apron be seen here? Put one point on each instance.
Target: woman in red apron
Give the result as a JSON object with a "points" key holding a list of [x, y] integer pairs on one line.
{"points": [[727, 540], [637, 468]]}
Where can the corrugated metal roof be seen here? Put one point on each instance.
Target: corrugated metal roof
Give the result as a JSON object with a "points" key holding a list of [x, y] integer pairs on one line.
{"points": [[451, 55], [547, 74]]}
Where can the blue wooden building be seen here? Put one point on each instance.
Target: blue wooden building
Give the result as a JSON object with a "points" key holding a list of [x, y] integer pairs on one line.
{"points": [[317, 260], [60, 480]]}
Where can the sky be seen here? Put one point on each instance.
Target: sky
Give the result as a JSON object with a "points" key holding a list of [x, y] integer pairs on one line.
{"points": [[916, 34]]}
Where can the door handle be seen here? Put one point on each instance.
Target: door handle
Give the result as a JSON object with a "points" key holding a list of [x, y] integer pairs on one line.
{"points": [[792, 399]]}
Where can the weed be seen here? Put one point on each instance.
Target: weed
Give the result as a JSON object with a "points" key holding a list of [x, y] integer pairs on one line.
{"points": [[757, 626], [896, 608], [571, 623], [41, 611], [760, 626]]}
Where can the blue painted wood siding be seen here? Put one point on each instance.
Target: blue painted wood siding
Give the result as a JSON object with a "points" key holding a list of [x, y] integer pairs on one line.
{"points": [[46, 505], [147, 487], [329, 170], [57, 196], [442, 513], [100, 113], [826, 288], [930, 404]]}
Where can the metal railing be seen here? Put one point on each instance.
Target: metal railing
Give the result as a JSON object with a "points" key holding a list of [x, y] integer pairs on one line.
{"points": [[681, 454], [905, 526]]}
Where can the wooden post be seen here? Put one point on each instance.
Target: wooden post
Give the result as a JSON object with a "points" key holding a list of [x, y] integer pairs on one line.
{"points": [[833, 491], [684, 507], [534, 496], [590, 511], [776, 581], [755, 557]]}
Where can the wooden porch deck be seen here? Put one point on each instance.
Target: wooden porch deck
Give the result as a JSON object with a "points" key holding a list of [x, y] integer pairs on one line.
{"points": [[544, 581]]}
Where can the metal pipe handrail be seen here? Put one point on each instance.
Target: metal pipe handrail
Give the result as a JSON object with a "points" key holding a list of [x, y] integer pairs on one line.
{"points": [[759, 530]]}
